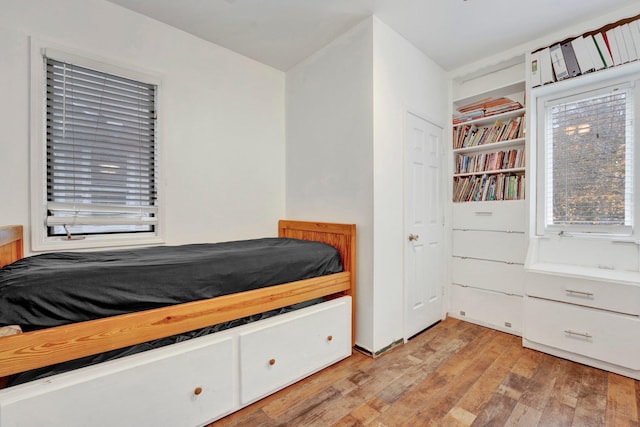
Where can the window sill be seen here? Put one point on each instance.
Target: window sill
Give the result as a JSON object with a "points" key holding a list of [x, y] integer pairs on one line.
{"points": [[94, 242], [588, 273]]}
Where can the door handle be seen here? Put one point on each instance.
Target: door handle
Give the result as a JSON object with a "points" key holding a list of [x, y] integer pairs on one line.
{"points": [[413, 237]]}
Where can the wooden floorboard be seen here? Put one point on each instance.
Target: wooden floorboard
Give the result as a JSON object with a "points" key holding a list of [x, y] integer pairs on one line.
{"points": [[454, 374]]}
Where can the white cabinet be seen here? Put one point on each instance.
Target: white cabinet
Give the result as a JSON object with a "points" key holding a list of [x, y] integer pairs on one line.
{"points": [[602, 335], [591, 321], [489, 247], [190, 383], [278, 354]]}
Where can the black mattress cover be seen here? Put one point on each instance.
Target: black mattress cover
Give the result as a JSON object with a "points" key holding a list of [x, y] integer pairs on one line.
{"points": [[66, 287]]}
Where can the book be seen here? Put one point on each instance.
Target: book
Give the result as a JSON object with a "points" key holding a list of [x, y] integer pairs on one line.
{"points": [[582, 55], [622, 44], [534, 69], [546, 71], [610, 41], [570, 60], [634, 28], [632, 49], [603, 49], [557, 61], [597, 60]]}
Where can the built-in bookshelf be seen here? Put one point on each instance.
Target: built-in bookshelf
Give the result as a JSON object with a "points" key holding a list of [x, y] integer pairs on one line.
{"points": [[489, 150]]}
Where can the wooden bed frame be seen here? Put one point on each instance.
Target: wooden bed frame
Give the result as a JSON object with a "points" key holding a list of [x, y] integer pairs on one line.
{"points": [[22, 352]]}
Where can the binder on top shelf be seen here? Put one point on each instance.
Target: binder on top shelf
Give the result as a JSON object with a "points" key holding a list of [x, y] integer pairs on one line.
{"points": [[582, 55], [632, 49], [634, 28], [603, 49], [611, 42], [596, 59], [570, 61], [557, 60], [622, 45], [534, 69], [546, 71]]}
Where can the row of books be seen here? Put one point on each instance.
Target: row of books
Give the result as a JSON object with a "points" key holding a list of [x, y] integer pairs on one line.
{"points": [[470, 135], [497, 160], [484, 108], [489, 187], [590, 52]]}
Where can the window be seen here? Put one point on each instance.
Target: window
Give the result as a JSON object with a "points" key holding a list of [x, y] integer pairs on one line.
{"points": [[587, 158], [99, 154]]}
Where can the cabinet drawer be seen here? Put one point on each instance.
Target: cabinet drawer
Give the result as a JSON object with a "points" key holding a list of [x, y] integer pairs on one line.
{"points": [[500, 311], [497, 216], [184, 384], [490, 245], [609, 337], [491, 275], [287, 350], [591, 293]]}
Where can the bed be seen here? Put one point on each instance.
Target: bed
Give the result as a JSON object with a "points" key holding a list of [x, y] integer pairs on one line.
{"points": [[237, 365]]}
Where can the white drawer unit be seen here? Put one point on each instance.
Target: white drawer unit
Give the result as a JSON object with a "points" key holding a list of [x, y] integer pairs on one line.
{"points": [[493, 216], [492, 309], [280, 353], [495, 276], [604, 336], [191, 383], [616, 297], [491, 245], [187, 384]]}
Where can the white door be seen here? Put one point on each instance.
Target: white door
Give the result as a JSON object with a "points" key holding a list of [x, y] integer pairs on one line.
{"points": [[423, 225]]}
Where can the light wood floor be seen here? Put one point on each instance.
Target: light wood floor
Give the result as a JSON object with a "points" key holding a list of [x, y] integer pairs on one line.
{"points": [[454, 374]]}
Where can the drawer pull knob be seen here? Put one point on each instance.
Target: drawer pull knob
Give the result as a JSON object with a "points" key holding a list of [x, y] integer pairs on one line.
{"points": [[579, 334], [583, 293], [197, 391], [272, 362], [330, 337]]}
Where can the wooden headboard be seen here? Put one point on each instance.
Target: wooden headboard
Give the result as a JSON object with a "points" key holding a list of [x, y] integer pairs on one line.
{"points": [[11, 244]]}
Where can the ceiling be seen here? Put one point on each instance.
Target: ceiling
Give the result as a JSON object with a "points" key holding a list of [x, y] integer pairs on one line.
{"points": [[281, 33]]}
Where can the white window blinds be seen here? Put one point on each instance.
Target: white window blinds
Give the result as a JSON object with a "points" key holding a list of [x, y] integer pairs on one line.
{"points": [[101, 152], [588, 157]]}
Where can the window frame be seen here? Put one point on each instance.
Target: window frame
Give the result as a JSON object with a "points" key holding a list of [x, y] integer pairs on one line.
{"points": [[40, 241], [628, 75]]}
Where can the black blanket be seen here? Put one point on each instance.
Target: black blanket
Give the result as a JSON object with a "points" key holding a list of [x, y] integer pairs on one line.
{"points": [[66, 287]]}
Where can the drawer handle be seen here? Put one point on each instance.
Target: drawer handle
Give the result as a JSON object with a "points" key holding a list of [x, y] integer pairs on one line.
{"points": [[583, 293], [330, 337], [483, 213], [197, 391], [579, 334], [272, 362]]}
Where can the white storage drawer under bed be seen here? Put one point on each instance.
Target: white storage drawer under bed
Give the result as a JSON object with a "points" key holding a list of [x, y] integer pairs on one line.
{"points": [[280, 353], [184, 384], [190, 383]]}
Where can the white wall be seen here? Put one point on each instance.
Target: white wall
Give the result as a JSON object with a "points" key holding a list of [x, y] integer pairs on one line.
{"points": [[221, 116], [329, 149], [345, 124], [404, 80]]}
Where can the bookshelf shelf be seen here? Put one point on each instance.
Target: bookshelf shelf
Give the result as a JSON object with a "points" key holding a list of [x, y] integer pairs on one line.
{"points": [[493, 146], [491, 172]]}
